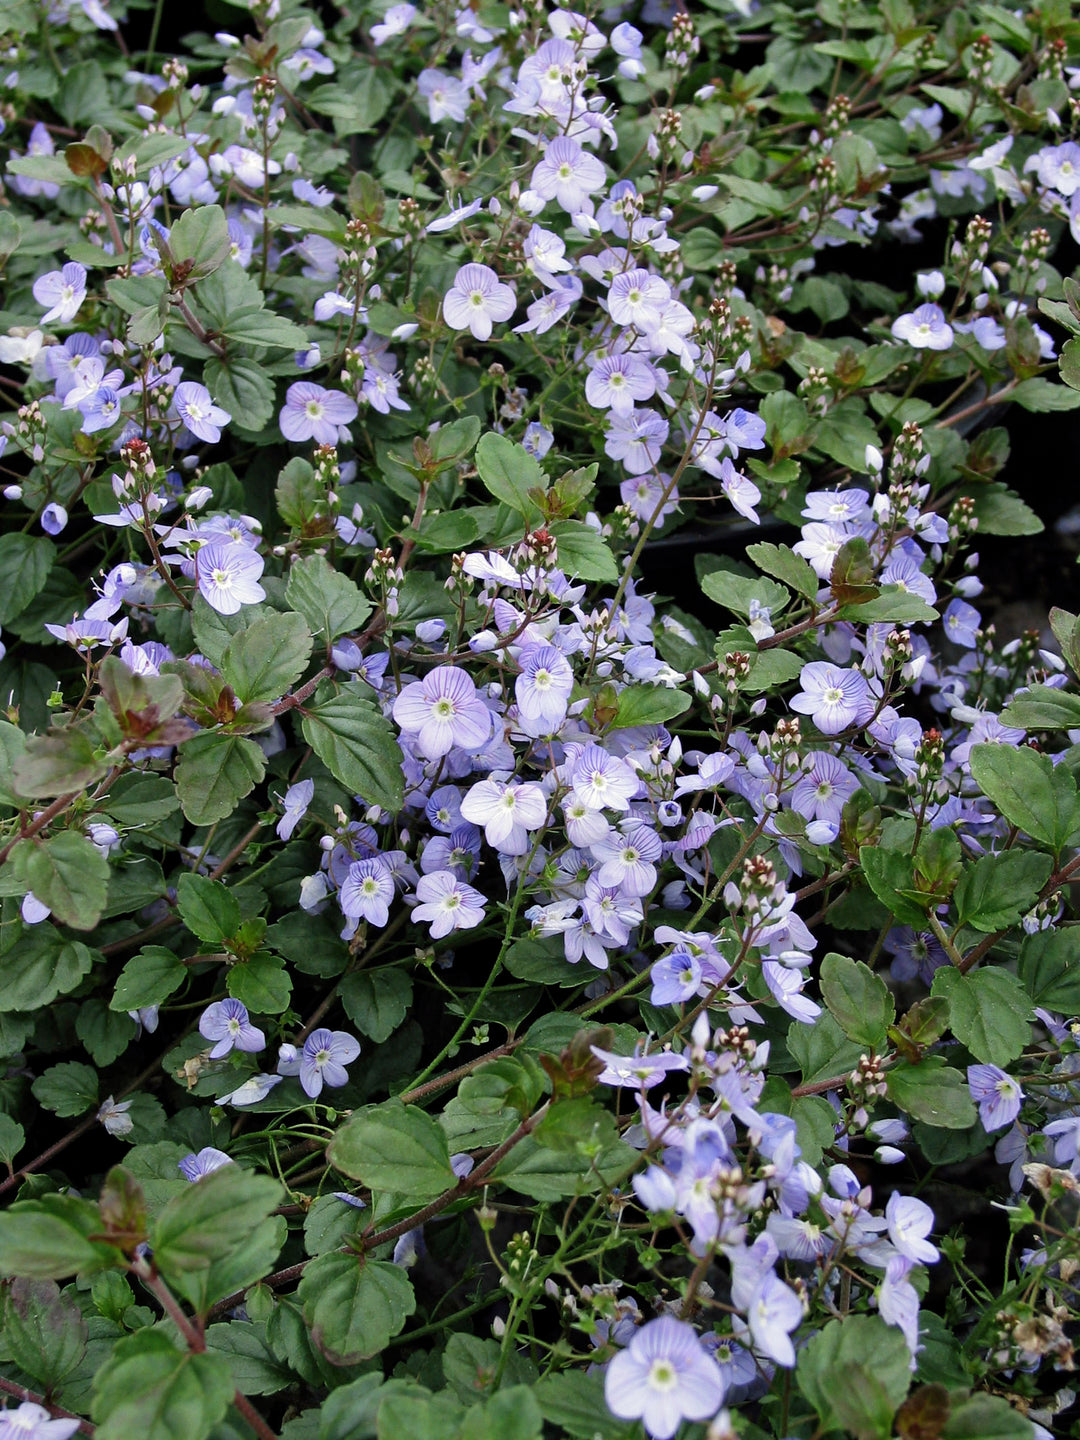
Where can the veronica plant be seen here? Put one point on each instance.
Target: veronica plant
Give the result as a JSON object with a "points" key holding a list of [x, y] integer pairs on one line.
{"points": [[498, 1001]]}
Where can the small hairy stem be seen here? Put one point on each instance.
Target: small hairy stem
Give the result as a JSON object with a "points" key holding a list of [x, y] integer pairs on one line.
{"points": [[465, 1186], [198, 329], [83, 1126], [297, 698], [195, 1340], [36, 826], [8, 1387]]}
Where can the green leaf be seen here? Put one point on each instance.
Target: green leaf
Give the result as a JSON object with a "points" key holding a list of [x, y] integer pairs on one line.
{"points": [[988, 1012], [769, 669], [1066, 628], [251, 326], [577, 1125], [25, 562], [329, 1223], [149, 1388], [200, 239], [357, 745], [1000, 512], [247, 1263], [354, 1307], [105, 1035], [1032, 793], [149, 978], [1069, 364], [214, 631], [10, 235], [329, 601], [44, 1331], [891, 876], [933, 1092], [12, 1138], [1043, 396], [998, 890], [261, 983], [267, 658], [214, 1216], [1049, 970], [12, 747], [735, 591], [69, 874], [894, 604], [137, 799], [243, 388], [356, 107], [208, 908], [822, 1050], [49, 1239], [859, 1000], [454, 441], [855, 1374], [511, 1414], [785, 565], [986, 1417], [137, 292], [573, 1402], [376, 1001], [394, 1149], [215, 773], [491, 1102], [1043, 708], [297, 493], [56, 764], [542, 960], [648, 705], [551, 1175], [252, 1365], [509, 472], [582, 553], [448, 531], [40, 966]]}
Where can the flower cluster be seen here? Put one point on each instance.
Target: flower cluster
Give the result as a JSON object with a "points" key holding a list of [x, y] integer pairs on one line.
{"points": [[395, 844]]}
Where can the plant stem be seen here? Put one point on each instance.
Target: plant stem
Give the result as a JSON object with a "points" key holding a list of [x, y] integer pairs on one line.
{"points": [[8, 1387], [36, 826], [195, 1340], [155, 26], [464, 1187]]}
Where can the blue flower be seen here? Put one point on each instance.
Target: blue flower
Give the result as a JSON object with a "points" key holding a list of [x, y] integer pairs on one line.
{"points": [[193, 405], [663, 1377], [227, 1023], [325, 1055]]}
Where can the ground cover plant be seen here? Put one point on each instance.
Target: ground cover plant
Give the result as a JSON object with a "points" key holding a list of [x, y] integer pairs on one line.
{"points": [[446, 988]]}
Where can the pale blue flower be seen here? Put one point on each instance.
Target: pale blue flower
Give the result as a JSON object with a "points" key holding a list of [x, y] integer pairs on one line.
{"points": [[325, 1055], [297, 799], [774, 1312], [997, 1095], [477, 300], [447, 903], [54, 518], [227, 1023], [663, 1377], [228, 574], [62, 291], [910, 1221], [834, 698], [193, 1167], [193, 405], [367, 891]]}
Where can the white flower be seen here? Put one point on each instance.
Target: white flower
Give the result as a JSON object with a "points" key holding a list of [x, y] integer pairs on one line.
{"points": [[115, 1117]]}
